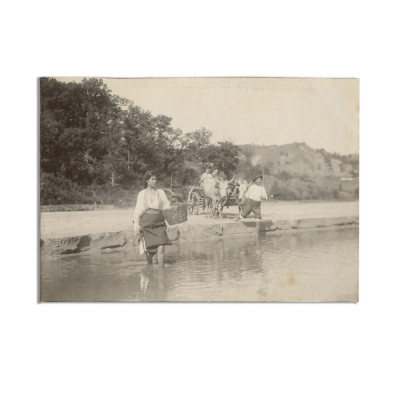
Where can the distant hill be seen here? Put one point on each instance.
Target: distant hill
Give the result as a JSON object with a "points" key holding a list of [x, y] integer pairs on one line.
{"points": [[297, 171], [299, 159]]}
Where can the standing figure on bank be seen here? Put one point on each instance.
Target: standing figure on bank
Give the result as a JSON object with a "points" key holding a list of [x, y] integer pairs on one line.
{"points": [[254, 195], [149, 221], [207, 174], [215, 175]]}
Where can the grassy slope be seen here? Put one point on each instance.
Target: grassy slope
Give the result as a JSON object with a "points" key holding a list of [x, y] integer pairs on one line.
{"points": [[296, 171]]}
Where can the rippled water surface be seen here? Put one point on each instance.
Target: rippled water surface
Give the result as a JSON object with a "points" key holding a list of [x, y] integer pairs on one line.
{"points": [[320, 265]]}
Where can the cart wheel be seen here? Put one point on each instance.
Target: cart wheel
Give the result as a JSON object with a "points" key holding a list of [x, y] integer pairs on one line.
{"points": [[194, 203]]}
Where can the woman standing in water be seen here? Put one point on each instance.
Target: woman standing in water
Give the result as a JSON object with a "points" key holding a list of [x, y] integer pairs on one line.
{"points": [[149, 221]]}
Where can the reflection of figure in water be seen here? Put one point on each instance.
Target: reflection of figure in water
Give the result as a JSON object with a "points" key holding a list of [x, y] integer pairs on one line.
{"points": [[144, 280], [149, 221], [152, 282]]}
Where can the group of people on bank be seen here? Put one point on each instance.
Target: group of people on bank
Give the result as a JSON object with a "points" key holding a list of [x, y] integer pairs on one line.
{"points": [[149, 223], [251, 195]]}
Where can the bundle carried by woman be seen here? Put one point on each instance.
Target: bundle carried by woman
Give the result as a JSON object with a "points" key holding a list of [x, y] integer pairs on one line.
{"points": [[176, 214]]}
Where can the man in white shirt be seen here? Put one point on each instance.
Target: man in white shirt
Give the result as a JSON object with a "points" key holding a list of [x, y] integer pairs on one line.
{"points": [[254, 195]]}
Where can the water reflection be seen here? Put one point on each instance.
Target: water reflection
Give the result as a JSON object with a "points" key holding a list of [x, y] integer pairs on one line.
{"points": [[300, 266], [152, 283]]}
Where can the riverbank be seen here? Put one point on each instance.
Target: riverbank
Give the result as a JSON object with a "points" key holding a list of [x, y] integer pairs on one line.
{"points": [[79, 231]]}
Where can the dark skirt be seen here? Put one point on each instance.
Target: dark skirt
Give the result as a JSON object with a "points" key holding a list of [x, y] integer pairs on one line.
{"points": [[251, 206], [154, 229]]}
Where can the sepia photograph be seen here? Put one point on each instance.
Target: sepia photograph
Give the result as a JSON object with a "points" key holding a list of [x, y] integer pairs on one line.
{"points": [[183, 189], [199, 189]]}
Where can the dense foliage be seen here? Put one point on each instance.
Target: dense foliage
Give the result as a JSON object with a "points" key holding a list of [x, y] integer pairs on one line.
{"points": [[92, 141]]}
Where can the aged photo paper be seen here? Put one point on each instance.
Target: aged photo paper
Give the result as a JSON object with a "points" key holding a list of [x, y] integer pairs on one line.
{"points": [[233, 189]]}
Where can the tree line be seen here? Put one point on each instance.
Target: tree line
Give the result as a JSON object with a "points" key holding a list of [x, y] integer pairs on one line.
{"points": [[93, 140]]}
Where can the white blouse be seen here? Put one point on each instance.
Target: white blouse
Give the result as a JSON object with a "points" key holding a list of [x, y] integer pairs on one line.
{"points": [[256, 192], [149, 198]]}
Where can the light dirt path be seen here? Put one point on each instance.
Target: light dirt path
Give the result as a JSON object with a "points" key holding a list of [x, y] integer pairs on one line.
{"points": [[74, 223]]}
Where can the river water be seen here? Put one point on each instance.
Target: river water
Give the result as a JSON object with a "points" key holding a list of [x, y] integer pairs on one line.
{"points": [[310, 265]]}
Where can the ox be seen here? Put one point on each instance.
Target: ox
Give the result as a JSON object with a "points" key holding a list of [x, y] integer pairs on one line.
{"points": [[218, 194], [227, 190], [224, 190], [212, 196], [243, 186], [236, 189]]}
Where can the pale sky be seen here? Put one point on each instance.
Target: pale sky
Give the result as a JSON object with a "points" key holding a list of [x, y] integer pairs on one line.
{"points": [[321, 112]]}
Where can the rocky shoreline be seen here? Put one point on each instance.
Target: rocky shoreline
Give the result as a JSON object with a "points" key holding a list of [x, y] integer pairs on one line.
{"points": [[187, 232]]}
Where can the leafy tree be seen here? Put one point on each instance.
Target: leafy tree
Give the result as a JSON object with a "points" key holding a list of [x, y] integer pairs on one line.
{"points": [[196, 141], [78, 127], [224, 156]]}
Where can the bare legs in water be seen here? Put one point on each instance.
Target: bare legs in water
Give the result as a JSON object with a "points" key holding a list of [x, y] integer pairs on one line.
{"points": [[157, 269], [160, 256]]}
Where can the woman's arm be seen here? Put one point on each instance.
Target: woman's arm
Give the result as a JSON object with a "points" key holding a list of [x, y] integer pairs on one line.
{"points": [[165, 202], [139, 210], [264, 194]]}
